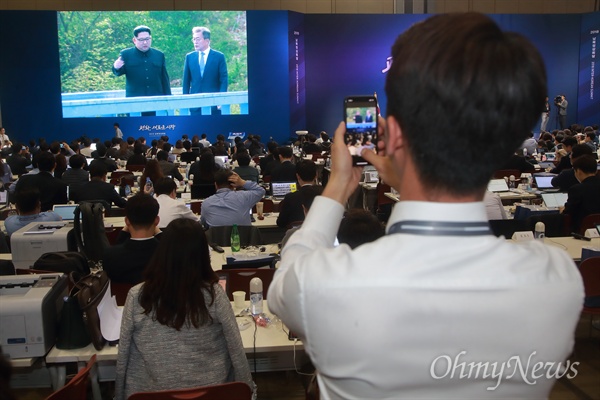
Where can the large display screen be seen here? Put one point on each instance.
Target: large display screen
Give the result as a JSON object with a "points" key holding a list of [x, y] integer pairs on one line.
{"points": [[107, 72]]}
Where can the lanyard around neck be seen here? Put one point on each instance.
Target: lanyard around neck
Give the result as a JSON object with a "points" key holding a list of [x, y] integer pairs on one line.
{"points": [[439, 228]]}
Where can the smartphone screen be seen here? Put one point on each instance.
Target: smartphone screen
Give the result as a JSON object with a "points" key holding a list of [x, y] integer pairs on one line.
{"points": [[360, 115]]}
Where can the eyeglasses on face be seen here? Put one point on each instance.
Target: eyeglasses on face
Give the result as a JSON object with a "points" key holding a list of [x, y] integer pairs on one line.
{"points": [[146, 39]]}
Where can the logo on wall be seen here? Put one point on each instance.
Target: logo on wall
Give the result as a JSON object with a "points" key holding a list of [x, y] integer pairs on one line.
{"points": [[388, 65]]}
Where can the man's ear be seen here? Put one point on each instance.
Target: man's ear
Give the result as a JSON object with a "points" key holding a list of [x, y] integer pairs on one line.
{"points": [[395, 139]]}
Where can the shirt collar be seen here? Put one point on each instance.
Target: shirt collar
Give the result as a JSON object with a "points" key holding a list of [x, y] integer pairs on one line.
{"points": [[439, 212]]}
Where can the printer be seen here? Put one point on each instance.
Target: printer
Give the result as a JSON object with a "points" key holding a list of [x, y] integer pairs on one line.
{"points": [[30, 306], [30, 242]]}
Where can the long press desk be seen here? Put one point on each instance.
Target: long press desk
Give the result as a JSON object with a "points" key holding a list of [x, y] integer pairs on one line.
{"points": [[273, 352]]}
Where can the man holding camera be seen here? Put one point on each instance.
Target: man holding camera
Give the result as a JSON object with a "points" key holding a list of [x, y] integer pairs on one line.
{"points": [[562, 103]]}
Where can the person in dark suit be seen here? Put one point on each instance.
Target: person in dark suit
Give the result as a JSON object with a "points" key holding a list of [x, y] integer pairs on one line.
{"points": [[584, 198], [168, 168], [567, 179], [565, 162], [133, 63], [125, 262], [285, 171], [52, 190], [139, 156], [205, 69], [76, 175], [97, 188], [290, 208], [311, 146], [19, 160], [110, 164]]}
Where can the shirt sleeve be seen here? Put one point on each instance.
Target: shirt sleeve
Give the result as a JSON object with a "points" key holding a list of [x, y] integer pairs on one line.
{"points": [[318, 231]]}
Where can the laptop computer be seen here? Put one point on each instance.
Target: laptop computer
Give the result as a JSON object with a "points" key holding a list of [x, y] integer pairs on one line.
{"points": [[66, 211], [554, 200], [280, 189], [497, 185], [371, 177], [550, 156], [544, 182], [3, 197]]}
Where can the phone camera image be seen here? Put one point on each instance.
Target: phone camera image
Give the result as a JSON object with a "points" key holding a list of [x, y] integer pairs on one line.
{"points": [[360, 116]]}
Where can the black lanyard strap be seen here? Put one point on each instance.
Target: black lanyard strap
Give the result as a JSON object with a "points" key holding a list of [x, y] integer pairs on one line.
{"points": [[439, 228]]}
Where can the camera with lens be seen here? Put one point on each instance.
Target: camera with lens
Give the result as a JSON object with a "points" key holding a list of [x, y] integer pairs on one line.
{"points": [[558, 99]]}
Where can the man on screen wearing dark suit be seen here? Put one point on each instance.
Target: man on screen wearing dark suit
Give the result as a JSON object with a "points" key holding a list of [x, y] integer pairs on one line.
{"points": [[144, 68], [205, 69]]}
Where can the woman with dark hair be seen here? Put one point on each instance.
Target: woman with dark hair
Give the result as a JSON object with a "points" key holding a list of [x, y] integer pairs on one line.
{"points": [[138, 157], [151, 171], [124, 152], [178, 328], [204, 170]]}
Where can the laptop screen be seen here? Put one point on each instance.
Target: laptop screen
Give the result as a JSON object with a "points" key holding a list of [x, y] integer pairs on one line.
{"points": [[280, 189], [3, 197], [66, 211], [543, 182], [497, 185], [554, 200], [223, 159]]}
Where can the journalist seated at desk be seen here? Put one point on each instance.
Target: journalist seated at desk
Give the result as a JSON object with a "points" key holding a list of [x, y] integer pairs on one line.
{"points": [[583, 198], [178, 328], [29, 209], [97, 188], [126, 261], [233, 201], [566, 178], [165, 190], [290, 208]]}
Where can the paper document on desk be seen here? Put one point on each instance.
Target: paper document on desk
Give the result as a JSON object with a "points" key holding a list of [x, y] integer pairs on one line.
{"points": [[110, 317]]}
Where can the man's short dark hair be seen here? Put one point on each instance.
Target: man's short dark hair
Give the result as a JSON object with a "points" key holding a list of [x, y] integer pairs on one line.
{"points": [[477, 83], [306, 170], [187, 145], [243, 159], [162, 156], [141, 210], [273, 146], [138, 148], [222, 177], [285, 152], [591, 135], [27, 199], [358, 227], [586, 163], [137, 30], [164, 185], [98, 169], [308, 195], [569, 141], [46, 161], [101, 149], [77, 161], [580, 150]]}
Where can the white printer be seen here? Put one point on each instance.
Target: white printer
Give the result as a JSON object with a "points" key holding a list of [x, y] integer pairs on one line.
{"points": [[29, 309], [30, 242]]}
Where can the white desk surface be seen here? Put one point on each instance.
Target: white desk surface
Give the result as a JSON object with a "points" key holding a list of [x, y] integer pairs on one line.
{"points": [[269, 339], [392, 196], [218, 259], [23, 362], [571, 245], [270, 221]]}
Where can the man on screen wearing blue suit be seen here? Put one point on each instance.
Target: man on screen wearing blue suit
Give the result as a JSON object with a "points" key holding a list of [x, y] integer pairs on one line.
{"points": [[205, 69]]}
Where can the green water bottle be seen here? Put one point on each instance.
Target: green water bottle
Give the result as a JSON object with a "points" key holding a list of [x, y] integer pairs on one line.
{"points": [[235, 239]]}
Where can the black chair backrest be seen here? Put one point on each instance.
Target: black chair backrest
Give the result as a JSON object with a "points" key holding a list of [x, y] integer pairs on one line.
{"points": [[221, 235]]}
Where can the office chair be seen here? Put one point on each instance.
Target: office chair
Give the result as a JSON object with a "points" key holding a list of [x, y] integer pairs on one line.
{"points": [[76, 389], [590, 272], [221, 235], [229, 391], [507, 227], [239, 279], [501, 173], [589, 221]]}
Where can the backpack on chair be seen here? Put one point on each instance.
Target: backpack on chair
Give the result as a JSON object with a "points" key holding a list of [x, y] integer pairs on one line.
{"points": [[89, 231]]}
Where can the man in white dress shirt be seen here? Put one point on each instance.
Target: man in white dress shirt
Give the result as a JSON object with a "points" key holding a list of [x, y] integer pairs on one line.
{"points": [[439, 307], [165, 190]]}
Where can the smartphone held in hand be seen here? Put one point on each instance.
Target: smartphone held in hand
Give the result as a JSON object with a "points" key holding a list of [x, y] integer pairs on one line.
{"points": [[360, 116]]}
